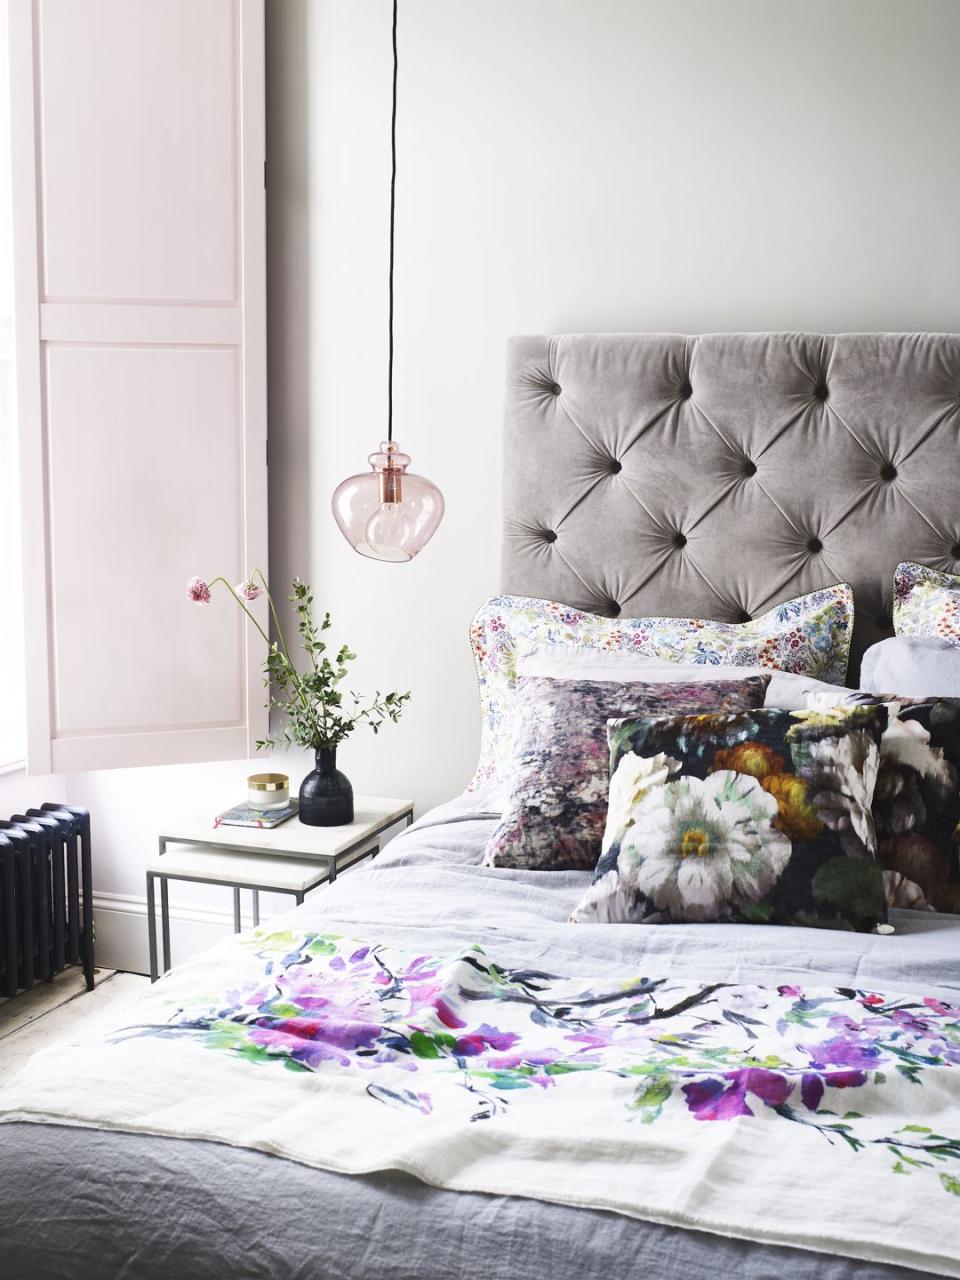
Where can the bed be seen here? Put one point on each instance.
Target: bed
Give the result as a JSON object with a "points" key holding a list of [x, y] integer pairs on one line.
{"points": [[644, 474]]}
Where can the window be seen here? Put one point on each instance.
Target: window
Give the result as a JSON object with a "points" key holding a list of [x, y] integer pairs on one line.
{"points": [[12, 737]]}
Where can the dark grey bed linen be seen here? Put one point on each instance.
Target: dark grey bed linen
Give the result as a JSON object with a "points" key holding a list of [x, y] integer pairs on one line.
{"points": [[90, 1205], [80, 1204]]}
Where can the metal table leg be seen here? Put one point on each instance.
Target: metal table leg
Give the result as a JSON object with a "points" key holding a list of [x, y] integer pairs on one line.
{"points": [[256, 907], [152, 927], [236, 911], [165, 922]]}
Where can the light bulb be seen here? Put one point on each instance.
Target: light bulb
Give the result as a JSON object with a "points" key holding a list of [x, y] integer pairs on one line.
{"points": [[386, 513], [387, 533]]}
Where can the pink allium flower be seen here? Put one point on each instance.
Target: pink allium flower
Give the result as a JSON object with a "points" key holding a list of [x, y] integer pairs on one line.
{"points": [[248, 590], [198, 591]]}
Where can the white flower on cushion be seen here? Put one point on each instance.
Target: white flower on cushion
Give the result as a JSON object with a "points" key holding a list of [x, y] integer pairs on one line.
{"points": [[844, 771], [908, 742], [632, 779], [902, 892], [700, 845], [607, 901]]}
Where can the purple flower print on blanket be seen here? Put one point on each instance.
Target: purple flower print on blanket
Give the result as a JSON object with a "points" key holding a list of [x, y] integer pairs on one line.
{"points": [[724, 1098], [468, 1034]]}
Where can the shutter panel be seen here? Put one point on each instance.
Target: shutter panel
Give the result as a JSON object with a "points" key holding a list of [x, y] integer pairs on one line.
{"points": [[139, 225]]}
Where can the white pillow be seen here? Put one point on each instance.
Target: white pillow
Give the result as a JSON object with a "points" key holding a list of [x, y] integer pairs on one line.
{"points": [[914, 666], [562, 662]]}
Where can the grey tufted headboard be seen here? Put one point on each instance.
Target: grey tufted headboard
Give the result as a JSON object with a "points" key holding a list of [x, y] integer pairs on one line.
{"points": [[715, 476]]}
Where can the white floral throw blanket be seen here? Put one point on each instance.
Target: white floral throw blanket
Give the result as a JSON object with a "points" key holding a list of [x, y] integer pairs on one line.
{"points": [[823, 1118]]}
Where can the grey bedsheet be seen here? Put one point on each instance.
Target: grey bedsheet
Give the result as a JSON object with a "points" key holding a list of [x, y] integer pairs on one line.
{"points": [[81, 1204]]}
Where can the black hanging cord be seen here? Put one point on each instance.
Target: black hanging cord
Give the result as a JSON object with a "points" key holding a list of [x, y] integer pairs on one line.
{"points": [[393, 209]]}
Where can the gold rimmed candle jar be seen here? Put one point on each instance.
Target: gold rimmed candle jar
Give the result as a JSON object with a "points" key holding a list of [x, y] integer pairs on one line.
{"points": [[268, 790]]}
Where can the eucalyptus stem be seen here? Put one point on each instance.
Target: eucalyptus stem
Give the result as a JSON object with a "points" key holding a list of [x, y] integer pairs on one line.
{"points": [[276, 620], [283, 642], [293, 671]]}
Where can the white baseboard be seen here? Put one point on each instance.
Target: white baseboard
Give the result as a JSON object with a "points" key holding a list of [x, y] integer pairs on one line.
{"points": [[121, 925]]}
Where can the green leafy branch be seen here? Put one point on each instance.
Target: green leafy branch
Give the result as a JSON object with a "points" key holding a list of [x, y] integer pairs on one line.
{"points": [[317, 713]]}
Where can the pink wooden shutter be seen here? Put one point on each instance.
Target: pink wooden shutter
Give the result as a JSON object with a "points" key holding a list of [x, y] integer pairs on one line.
{"points": [[138, 163]]}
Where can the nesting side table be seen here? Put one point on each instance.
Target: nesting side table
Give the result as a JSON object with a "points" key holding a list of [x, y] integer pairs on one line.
{"points": [[292, 858]]}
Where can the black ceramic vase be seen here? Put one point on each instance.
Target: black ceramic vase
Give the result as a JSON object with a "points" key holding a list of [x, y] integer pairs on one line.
{"points": [[326, 796]]}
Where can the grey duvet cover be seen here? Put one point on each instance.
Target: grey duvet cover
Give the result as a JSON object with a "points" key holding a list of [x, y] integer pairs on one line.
{"points": [[86, 1204]]}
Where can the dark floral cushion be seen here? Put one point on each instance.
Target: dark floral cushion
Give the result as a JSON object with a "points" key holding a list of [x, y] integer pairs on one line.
{"points": [[557, 805], [761, 817], [916, 805]]}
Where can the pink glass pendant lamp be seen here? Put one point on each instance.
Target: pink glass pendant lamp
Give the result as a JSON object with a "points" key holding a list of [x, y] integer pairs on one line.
{"points": [[386, 513]]}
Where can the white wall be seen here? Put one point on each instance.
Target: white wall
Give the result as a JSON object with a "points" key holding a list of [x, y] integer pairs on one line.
{"points": [[19, 793], [565, 165]]}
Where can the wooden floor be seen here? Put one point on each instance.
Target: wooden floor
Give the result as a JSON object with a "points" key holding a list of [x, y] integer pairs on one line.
{"points": [[58, 1010]]}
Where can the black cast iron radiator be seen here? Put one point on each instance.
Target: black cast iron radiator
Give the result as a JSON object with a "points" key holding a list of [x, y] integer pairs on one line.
{"points": [[46, 896]]}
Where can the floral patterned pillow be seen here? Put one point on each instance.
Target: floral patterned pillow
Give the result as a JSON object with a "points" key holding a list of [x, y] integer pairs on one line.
{"points": [[558, 799], [926, 602], [916, 805], [761, 817], [808, 636]]}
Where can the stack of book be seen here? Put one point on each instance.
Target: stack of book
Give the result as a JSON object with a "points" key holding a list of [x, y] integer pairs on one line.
{"points": [[245, 815]]}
